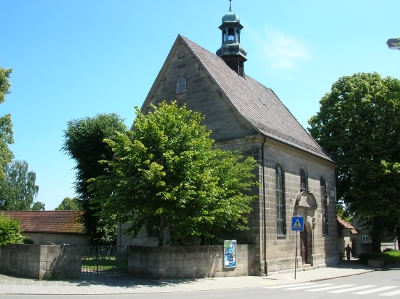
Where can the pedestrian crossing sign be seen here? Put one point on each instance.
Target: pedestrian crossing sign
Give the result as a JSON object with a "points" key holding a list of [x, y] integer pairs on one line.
{"points": [[298, 223]]}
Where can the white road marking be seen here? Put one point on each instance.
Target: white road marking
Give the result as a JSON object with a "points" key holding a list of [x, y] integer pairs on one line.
{"points": [[309, 286], [352, 289], [289, 285], [391, 293], [375, 290], [329, 288]]}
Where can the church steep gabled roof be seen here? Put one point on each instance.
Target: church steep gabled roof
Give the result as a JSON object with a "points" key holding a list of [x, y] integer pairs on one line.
{"points": [[256, 103]]}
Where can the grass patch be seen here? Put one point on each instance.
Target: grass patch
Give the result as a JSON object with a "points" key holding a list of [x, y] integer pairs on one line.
{"points": [[390, 257], [104, 264]]}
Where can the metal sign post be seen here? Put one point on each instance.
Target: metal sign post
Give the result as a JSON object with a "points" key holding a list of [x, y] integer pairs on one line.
{"points": [[297, 225], [295, 259]]}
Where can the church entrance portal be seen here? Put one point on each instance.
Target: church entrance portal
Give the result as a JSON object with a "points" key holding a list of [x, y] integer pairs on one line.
{"points": [[303, 246]]}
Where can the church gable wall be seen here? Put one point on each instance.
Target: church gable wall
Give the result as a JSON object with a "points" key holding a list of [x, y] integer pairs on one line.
{"points": [[202, 95]]}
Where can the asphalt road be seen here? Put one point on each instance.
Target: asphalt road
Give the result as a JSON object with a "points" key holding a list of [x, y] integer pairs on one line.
{"points": [[378, 284]]}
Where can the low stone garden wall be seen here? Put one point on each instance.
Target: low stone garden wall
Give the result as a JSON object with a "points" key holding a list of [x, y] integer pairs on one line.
{"points": [[188, 261], [41, 261], [376, 263]]}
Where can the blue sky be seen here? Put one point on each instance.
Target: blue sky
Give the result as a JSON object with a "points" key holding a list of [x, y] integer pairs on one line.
{"points": [[78, 58]]}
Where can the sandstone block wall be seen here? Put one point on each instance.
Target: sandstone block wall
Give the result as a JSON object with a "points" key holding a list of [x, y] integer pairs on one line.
{"points": [[41, 261], [188, 261]]}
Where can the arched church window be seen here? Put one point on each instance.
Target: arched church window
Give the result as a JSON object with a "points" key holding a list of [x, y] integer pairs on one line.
{"points": [[181, 85], [280, 201], [238, 35], [324, 205], [231, 34], [303, 180], [223, 36]]}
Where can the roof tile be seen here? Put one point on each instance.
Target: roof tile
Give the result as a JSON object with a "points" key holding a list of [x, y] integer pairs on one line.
{"points": [[345, 224], [48, 221], [256, 103]]}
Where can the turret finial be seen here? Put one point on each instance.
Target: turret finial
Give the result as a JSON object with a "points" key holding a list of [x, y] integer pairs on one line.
{"points": [[230, 5]]}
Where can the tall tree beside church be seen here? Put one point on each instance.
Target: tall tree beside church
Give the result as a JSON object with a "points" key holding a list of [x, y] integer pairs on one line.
{"points": [[6, 134], [84, 142], [359, 124], [166, 173], [18, 190]]}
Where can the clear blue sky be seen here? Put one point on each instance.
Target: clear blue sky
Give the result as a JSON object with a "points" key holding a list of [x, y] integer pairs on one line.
{"points": [[78, 58]]}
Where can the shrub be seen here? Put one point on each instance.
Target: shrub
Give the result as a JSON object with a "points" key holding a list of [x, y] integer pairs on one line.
{"points": [[390, 257], [27, 240], [10, 230]]}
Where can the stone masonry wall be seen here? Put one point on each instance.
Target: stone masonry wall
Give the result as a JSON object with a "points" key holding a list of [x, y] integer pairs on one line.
{"points": [[280, 250], [202, 96], [41, 261], [188, 261]]}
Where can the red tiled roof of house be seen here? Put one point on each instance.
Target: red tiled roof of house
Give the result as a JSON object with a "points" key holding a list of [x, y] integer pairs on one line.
{"points": [[66, 222], [345, 224]]}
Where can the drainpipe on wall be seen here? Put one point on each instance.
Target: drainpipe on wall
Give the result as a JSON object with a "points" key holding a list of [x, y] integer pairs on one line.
{"points": [[264, 204]]}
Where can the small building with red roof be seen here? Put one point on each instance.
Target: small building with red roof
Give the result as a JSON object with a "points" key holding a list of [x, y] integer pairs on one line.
{"points": [[347, 235], [51, 227]]}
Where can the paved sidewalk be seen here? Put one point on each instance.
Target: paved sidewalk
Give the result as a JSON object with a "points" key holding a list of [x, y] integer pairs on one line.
{"points": [[130, 285]]}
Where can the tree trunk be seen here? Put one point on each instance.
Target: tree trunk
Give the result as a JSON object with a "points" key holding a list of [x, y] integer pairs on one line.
{"points": [[377, 234], [161, 231]]}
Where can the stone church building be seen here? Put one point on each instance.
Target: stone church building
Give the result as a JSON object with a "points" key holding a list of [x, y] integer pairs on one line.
{"points": [[296, 177]]}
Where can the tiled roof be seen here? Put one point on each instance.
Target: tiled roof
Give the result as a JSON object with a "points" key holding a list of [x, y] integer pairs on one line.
{"points": [[256, 103], [65, 222], [345, 224]]}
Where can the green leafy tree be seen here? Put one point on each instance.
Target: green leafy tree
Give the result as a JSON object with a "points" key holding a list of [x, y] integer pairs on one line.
{"points": [[38, 206], [359, 124], [69, 204], [6, 134], [391, 172], [18, 190], [165, 173], [10, 230], [84, 142]]}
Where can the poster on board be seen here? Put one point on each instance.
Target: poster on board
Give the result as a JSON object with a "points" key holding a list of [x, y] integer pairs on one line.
{"points": [[229, 253]]}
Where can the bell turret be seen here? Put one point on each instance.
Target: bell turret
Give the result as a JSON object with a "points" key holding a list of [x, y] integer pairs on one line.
{"points": [[231, 50]]}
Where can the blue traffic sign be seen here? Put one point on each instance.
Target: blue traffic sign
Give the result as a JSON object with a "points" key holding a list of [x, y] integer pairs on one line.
{"points": [[298, 223]]}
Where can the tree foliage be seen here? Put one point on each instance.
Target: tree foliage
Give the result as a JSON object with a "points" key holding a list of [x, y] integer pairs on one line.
{"points": [[38, 206], [18, 190], [166, 174], [6, 134], [359, 124], [10, 230], [84, 142], [69, 204]]}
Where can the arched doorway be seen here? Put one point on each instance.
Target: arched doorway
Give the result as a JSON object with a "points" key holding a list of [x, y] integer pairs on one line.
{"points": [[303, 246], [306, 205], [306, 244]]}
